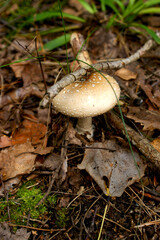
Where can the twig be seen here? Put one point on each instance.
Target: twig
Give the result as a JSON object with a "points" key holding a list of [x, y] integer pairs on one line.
{"points": [[40, 64], [148, 195], [139, 141], [155, 222], [70, 78], [34, 228], [54, 175]]}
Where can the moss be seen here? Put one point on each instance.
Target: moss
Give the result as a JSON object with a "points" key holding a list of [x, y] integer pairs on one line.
{"points": [[62, 217], [23, 203]]}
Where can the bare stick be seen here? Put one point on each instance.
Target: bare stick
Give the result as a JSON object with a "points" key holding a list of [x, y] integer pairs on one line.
{"points": [[139, 141], [70, 78]]}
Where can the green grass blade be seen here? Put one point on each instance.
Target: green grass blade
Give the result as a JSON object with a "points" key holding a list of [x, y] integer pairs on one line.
{"points": [[52, 30], [112, 5], [57, 42], [19, 61], [103, 6], [110, 22], [153, 10], [49, 14], [87, 6], [134, 8], [121, 5], [148, 30], [150, 3]]}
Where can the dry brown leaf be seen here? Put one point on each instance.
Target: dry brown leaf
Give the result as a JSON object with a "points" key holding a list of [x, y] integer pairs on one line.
{"points": [[150, 119], [17, 160], [152, 92], [126, 74], [20, 93], [75, 4], [5, 141], [28, 71], [20, 159], [64, 201], [29, 131], [51, 162], [117, 166], [156, 144], [70, 135]]}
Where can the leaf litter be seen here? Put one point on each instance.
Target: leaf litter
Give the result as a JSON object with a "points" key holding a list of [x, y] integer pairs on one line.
{"points": [[24, 142]]}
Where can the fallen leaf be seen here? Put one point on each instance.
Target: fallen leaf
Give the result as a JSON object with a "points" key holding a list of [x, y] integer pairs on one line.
{"points": [[20, 93], [20, 159], [5, 141], [17, 160], [153, 93], [28, 71], [64, 201], [6, 234], [51, 162], [156, 144], [149, 119], [29, 131], [70, 135], [126, 74], [117, 166], [9, 185]]}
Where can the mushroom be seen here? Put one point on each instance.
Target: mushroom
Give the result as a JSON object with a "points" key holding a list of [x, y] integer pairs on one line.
{"points": [[86, 99]]}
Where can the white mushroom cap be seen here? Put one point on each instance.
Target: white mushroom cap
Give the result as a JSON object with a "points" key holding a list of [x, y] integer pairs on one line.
{"points": [[90, 98]]}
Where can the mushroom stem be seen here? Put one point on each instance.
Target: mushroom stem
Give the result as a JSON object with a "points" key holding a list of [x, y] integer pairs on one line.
{"points": [[84, 125]]}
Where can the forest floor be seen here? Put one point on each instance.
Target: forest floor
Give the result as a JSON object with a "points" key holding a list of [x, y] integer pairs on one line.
{"points": [[44, 193]]}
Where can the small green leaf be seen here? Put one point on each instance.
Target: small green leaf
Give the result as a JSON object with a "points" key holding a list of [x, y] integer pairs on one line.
{"points": [[57, 42]]}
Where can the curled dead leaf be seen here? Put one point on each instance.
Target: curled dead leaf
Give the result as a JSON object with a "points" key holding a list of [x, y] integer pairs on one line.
{"points": [[118, 167]]}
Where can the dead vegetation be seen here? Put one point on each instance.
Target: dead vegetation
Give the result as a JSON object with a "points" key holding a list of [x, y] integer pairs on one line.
{"points": [[56, 183]]}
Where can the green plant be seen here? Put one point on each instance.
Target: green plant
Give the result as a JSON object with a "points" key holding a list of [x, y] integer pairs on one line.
{"points": [[91, 8], [126, 13], [26, 16], [23, 203]]}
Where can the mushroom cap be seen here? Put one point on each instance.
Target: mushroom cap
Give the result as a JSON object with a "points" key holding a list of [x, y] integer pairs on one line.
{"points": [[89, 98]]}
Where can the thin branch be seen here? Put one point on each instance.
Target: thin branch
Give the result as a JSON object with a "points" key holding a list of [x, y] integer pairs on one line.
{"points": [[139, 141], [70, 78]]}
